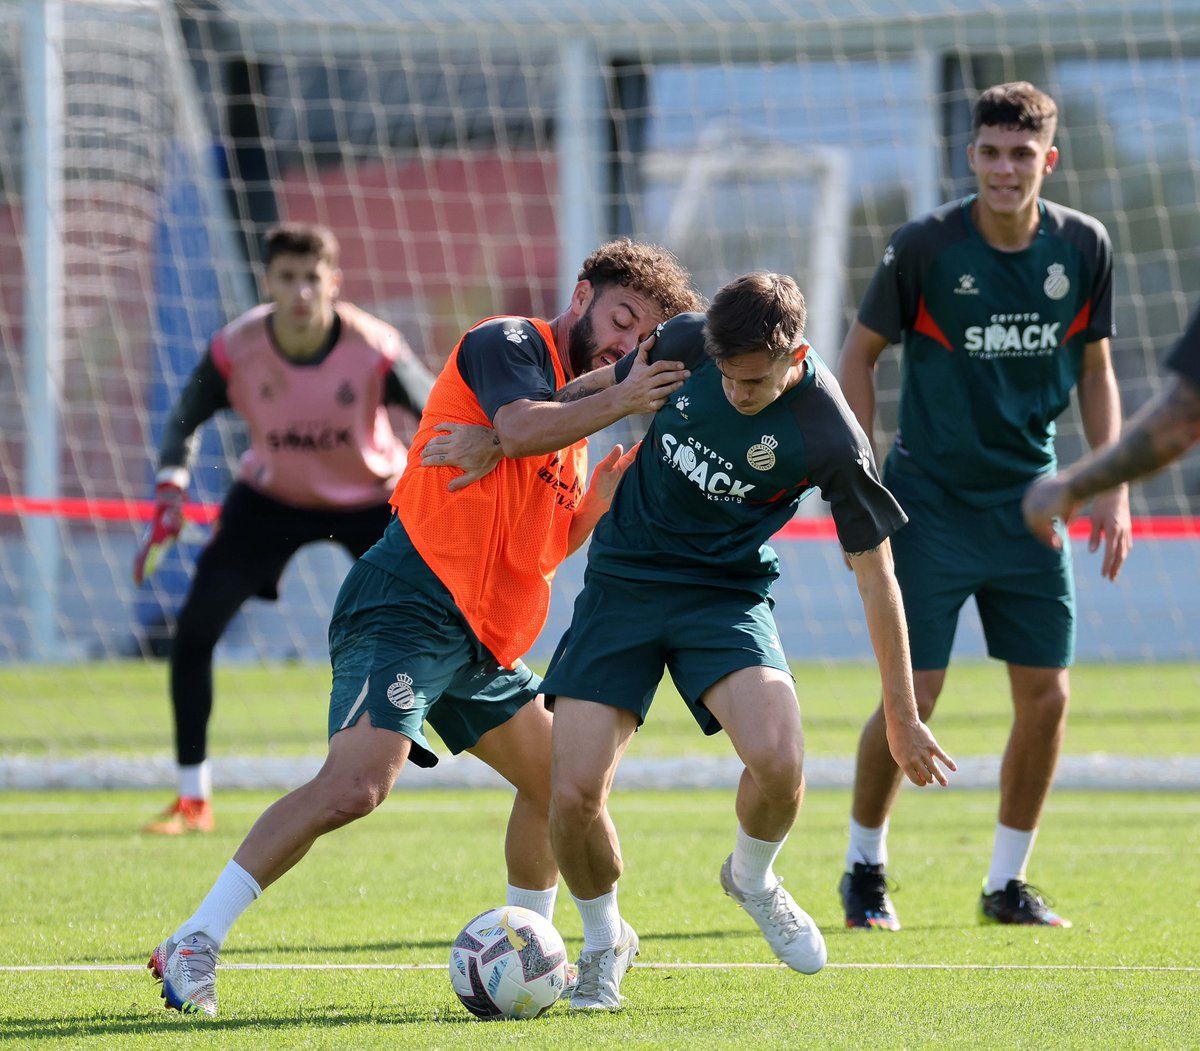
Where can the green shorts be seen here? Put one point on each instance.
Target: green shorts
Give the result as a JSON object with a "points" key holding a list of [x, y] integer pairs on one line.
{"points": [[404, 655], [949, 550], [624, 632]]}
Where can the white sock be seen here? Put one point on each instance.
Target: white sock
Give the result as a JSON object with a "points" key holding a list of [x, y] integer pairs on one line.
{"points": [[539, 901], [1010, 855], [601, 921], [195, 782], [752, 861], [230, 896], [867, 845]]}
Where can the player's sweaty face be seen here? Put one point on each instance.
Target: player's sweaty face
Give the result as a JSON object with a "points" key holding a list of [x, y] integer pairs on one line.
{"points": [[753, 381], [1010, 165], [303, 288], [615, 322]]}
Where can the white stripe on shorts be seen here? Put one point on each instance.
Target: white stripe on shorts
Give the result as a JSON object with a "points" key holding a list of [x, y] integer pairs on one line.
{"points": [[362, 696]]}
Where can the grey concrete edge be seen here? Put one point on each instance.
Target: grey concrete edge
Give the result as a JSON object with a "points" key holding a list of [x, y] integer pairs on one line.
{"points": [[1097, 770]]}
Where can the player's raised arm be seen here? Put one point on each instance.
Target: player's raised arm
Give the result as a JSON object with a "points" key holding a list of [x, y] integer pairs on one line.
{"points": [[532, 428], [912, 745], [671, 346]]}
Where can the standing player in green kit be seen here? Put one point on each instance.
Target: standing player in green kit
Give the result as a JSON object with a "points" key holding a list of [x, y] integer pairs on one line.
{"points": [[679, 575], [1003, 302]]}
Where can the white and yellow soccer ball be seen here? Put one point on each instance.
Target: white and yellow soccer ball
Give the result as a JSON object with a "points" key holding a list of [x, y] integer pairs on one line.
{"points": [[508, 963]]}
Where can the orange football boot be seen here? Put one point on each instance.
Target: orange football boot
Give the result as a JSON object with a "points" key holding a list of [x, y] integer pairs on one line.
{"points": [[183, 816]]}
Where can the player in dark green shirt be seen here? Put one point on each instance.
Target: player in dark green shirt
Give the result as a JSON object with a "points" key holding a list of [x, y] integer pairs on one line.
{"points": [[679, 575], [1166, 427], [1003, 302]]}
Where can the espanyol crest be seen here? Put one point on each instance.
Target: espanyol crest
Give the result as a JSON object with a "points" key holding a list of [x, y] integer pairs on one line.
{"points": [[1057, 284], [762, 456], [400, 693]]}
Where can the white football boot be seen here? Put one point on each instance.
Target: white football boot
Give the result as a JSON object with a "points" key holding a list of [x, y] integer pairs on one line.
{"points": [[188, 972], [790, 931], [598, 987]]}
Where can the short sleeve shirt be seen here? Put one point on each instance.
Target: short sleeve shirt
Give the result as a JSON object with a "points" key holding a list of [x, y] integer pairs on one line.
{"points": [[1185, 356], [505, 360], [993, 342], [710, 486]]}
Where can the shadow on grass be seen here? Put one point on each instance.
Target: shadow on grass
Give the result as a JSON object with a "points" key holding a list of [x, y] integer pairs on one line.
{"points": [[169, 1024], [176, 1025]]}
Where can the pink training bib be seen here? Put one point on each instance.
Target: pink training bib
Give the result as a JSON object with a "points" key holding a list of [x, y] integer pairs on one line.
{"points": [[320, 436]]}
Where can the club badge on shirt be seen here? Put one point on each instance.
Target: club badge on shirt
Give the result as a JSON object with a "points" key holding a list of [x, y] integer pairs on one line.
{"points": [[762, 456]]}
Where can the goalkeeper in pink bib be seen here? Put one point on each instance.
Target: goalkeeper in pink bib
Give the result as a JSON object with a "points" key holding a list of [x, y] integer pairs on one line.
{"points": [[314, 379]]}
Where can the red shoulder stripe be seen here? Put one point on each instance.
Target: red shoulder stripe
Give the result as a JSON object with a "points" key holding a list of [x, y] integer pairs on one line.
{"points": [[928, 327]]}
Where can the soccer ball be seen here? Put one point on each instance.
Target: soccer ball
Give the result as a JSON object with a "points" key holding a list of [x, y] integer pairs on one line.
{"points": [[508, 963]]}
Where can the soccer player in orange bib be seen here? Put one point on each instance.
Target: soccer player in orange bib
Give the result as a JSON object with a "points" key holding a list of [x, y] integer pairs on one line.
{"points": [[431, 623]]}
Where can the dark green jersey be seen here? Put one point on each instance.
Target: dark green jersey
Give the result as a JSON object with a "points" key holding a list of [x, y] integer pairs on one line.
{"points": [[710, 486], [993, 342]]}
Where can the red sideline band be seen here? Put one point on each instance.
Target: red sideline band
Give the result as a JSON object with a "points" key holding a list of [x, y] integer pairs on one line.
{"points": [[1148, 527]]}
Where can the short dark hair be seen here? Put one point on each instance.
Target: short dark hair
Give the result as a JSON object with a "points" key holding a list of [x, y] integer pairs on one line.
{"points": [[1017, 104], [759, 311], [646, 268], [300, 239]]}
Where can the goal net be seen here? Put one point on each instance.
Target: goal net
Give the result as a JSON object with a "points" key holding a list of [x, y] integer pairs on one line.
{"points": [[467, 156]]}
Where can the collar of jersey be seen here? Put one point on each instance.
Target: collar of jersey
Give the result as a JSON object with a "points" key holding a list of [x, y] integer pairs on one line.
{"points": [[323, 352], [973, 230]]}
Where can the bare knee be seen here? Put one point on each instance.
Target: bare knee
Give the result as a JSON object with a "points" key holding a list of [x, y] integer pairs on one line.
{"points": [[778, 770], [1046, 704], [576, 803], [342, 801]]}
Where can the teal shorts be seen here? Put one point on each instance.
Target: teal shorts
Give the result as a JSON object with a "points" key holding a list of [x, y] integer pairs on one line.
{"points": [[949, 551], [623, 634], [404, 655]]}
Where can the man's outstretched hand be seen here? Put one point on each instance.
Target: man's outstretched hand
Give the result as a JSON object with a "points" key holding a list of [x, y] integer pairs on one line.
{"points": [[917, 753]]}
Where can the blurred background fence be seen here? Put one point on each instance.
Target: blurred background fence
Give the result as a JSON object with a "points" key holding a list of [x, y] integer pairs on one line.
{"points": [[467, 156]]}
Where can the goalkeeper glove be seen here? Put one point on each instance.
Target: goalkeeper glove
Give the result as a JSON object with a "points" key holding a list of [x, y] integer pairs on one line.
{"points": [[163, 530]]}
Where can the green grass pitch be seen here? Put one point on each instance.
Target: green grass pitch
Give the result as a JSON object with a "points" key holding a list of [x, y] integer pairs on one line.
{"points": [[82, 886], [122, 707]]}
